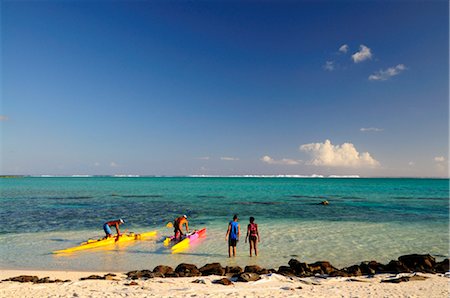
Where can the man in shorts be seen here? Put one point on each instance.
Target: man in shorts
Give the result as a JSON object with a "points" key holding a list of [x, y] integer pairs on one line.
{"points": [[113, 223], [233, 233]]}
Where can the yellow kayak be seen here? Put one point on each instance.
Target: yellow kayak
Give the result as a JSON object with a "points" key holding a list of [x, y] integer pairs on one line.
{"points": [[185, 243], [93, 243]]}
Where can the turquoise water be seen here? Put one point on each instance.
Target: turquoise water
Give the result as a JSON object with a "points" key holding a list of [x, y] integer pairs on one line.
{"points": [[367, 219]]}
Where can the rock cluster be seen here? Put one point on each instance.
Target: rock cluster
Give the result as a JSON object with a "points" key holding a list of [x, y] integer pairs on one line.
{"points": [[404, 264]]}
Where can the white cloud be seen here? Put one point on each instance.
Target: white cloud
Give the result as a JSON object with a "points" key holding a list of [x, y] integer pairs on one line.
{"points": [[383, 75], [439, 159], [285, 161], [4, 118], [96, 164], [411, 163], [344, 48], [367, 129], [229, 158], [329, 65], [345, 155], [113, 164], [204, 158], [364, 53]]}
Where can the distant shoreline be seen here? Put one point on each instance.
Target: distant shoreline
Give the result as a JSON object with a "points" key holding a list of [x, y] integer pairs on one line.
{"points": [[217, 176]]}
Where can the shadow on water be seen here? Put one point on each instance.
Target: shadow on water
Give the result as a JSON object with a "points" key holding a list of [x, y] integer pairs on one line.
{"points": [[69, 198], [59, 240], [259, 203], [141, 196]]}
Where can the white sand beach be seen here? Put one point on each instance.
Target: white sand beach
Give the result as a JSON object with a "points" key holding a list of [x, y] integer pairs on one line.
{"points": [[272, 285]]}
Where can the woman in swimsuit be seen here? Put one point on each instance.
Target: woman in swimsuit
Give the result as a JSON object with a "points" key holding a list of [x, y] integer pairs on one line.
{"points": [[253, 236]]}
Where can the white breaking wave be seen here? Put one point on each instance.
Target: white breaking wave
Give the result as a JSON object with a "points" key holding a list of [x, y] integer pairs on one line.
{"points": [[275, 176]]}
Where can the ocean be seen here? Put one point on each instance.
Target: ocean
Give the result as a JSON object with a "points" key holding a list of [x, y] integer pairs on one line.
{"points": [[366, 219]]}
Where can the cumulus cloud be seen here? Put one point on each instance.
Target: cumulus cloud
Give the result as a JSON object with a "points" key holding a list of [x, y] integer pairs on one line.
{"points": [[411, 163], [364, 53], [368, 129], [439, 159], [343, 48], [4, 118], [329, 65], [113, 164], [345, 155], [383, 75], [229, 158], [285, 161]]}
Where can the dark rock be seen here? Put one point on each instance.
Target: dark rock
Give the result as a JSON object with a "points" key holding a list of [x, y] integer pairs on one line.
{"points": [[285, 270], [442, 267], [372, 267], [233, 269], [252, 269], [212, 269], [366, 269], [322, 267], [271, 270], [340, 273], [159, 274], [163, 269], [109, 277], [325, 203], [354, 270], [396, 267], [23, 278], [255, 269], [173, 274], [199, 281], [92, 277], [419, 263], [43, 280], [187, 270], [248, 276], [223, 281], [299, 268], [132, 283], [140, 274], [111, 274]]}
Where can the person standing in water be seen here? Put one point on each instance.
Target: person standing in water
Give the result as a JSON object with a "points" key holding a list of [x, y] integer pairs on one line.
{"points": [[253, 236], [233, 233]]}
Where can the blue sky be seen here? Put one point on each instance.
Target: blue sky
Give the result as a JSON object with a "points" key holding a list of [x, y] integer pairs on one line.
{"points": [[221, 88]]}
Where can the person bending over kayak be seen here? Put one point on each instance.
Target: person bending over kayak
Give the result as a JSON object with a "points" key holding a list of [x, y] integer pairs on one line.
{"points": [[233, 233], [113, 223], [253, 236], [178, 225]]}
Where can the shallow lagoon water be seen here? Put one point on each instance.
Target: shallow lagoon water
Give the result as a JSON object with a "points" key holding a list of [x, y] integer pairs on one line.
{"points": [[367, 219]]}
